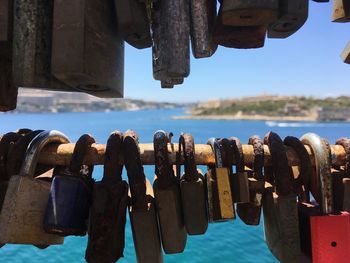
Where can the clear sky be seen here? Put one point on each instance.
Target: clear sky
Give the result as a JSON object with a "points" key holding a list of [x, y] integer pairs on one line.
{"points": [[307, 63]]}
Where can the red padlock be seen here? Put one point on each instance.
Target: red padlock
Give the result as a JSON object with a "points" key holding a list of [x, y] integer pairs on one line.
{"points": [[329, 229]]}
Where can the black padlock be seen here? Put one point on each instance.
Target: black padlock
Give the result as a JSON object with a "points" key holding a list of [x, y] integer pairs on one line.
{"points": [[203, 16], [67, 210], [250, 213], [108, 210], [142, 211], [168, 198], [193, 190], [8, 91], [87, 50], [133, 22], [292, 15], [238, 37]]}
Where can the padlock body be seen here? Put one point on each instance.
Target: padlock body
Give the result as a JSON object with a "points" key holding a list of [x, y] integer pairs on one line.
{"points": [[194, 204], [3, 188], [220, 200], [4, 20], [345, 55], [341, 11], [241, 187], [22, 214], [170, 216], [68, 205], [249, 12], [330, 238], [346, 197]]}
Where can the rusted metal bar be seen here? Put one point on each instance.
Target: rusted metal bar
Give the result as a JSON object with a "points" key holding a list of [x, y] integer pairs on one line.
{"points": [[61, 154]]}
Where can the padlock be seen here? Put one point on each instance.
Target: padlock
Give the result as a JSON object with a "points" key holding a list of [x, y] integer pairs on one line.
{"points": [[8, 91], [321, 1], [168, 198], [133, 22], [240, 177], [219, 186], [26, 198], [171, 40], [291, 17], [238, 37], [249, 12], [87, 50], [341, 11], [192, 187], [203, 16], [329, 231], [108, 210], [142, 211], [70, 197], [250, 213], [280, 206], [346, 202], [345, 55]]}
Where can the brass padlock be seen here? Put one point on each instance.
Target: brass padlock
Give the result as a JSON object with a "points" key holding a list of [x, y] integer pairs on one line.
{"points": [[192, 187], [26, 198], [291, 17], [238, 36], [142, 211], [168, 198], [345, 55], [249, 12], [250, 213], [281, 221], [133, 22], [219, 186], [87, 50], [203, 16], [8, 91], [341, 11]]}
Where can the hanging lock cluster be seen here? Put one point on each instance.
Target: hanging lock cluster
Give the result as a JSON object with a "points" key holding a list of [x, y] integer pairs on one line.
{"points": [[305, 206]]}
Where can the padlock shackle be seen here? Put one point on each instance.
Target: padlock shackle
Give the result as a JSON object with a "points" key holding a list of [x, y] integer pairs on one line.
{"points": [[36, 145], [5, 142], [345, 143], [215, 146], [187, 146], [259, 156], [237, 151], [323, 162], [79, 154], [112, 169]]}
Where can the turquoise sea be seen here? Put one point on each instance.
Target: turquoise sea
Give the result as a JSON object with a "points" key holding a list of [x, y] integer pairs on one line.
{"points": [[223, 242]]}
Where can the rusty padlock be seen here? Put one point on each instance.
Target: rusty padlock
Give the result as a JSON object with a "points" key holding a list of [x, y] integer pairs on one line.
{"points": [[238, 37], [330, 229], [292, 15], [108, 210], [341, 11], [193, 192], [281, 221], [8, 91], [250, 213], [133, 22], [219, 186], [249, 12], [82, 60], [168, 198], [203, 16], [142, 211]]}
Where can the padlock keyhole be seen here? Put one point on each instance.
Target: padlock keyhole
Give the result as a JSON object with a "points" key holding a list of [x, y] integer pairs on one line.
{"points": [[334, 244]]}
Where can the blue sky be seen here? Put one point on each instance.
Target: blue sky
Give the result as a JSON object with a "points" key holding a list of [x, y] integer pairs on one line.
{"points": [[307, 63]]}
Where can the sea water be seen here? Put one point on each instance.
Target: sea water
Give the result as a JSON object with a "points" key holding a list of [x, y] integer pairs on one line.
{"points": [[223, 242]]}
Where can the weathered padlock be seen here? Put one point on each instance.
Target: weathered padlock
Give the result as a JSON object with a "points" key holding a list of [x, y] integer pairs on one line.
{"points": [[219, 186], [171, 41], [168, 198], [240, 177], [238, 37], [329, 231], [108, 210], [26, 198], [67, 210], [280, 206], [203, 16], [250, 213], [142, 211], [321, 1], [249, 12], [341, 11], [192, 185], [87, 51], [291, 17], [345, 55], [133, 22], [8, 91]]}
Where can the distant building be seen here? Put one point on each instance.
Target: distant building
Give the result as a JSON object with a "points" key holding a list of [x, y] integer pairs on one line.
{"points": [[292, 109], [334, 114]]}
